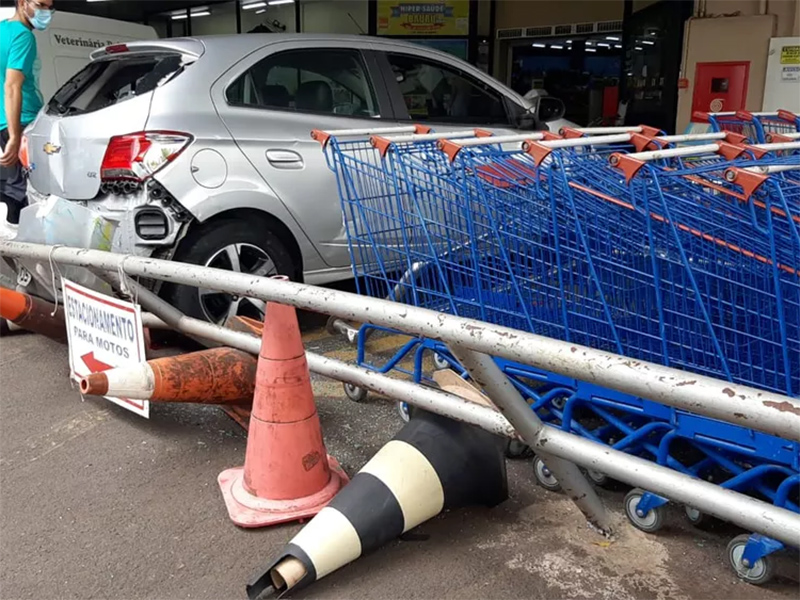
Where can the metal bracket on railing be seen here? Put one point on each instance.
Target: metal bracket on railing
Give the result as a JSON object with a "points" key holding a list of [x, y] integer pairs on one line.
{"points": [[505, 396], [336, 326]]}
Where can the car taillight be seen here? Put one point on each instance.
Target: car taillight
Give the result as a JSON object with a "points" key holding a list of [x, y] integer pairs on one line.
{"points": [[138, 156], [116, 49], [24, 156]]}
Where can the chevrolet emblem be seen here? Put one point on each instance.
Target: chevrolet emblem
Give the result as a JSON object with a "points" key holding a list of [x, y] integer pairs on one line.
{"points": [[51, 149]]}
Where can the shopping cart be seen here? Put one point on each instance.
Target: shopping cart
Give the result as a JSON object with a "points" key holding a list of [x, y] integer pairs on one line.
{"points": [[757, 126], [703, 225], [651, 263]]}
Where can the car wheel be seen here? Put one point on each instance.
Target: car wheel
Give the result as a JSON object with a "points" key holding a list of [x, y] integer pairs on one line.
{"points": [[233, 245]]}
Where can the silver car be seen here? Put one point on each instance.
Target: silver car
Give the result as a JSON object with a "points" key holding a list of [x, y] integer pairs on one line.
{"points": [[199, 149]]}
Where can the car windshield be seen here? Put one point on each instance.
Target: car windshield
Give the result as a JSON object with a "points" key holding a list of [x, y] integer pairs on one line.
{"points": [[103, 83]]}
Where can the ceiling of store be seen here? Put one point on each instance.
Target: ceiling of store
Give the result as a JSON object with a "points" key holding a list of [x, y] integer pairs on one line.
{"points": [[129, 10]]}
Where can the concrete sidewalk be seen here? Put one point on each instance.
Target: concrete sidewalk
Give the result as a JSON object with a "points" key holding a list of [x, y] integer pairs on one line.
{"points": [[96, 502]]}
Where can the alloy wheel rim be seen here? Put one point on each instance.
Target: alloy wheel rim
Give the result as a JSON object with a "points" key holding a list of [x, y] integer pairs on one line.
{"points": [[249, 259]]}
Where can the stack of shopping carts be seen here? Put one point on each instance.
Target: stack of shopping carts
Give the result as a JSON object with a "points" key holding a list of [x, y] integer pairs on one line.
{"points": [[757, 126], [678, 250]]}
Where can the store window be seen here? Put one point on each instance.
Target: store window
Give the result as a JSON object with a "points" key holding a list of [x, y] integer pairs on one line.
{"points": [[433, 91], [323, 80]]}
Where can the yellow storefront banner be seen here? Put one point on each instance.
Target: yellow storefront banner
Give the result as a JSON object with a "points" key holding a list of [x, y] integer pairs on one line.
{"points": [[423, 17]]}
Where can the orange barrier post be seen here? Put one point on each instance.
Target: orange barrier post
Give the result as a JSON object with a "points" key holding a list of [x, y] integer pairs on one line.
{"points": [[33, 314], [216, 376], [287, 473]]}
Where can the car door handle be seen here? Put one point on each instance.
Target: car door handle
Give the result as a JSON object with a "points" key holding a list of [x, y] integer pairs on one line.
{"points": [[285, 159]]}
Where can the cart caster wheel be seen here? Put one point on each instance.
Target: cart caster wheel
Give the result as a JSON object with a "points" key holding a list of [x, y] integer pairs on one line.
{"points": [[439, 362], [517, 449], [544, 477], [696, 518], [559, 403], [757, 574], [650, 522], [598, 478], [402, 408], [355, 393]]}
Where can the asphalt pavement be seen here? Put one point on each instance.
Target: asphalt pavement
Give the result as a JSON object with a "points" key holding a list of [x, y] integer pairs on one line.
{"points": [[96, 502]]}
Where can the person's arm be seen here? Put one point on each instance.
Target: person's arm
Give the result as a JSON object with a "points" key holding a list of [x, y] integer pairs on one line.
{"points": [[21, 57], [12, 101]]}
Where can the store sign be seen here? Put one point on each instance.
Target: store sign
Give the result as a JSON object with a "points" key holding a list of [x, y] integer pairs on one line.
{"points": [[103, 333], [79, 41], [790, 55], [420, 17], [790, 74]]}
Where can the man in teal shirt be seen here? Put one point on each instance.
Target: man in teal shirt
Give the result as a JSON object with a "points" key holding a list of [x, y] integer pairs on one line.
{"points": [[21, 99]]}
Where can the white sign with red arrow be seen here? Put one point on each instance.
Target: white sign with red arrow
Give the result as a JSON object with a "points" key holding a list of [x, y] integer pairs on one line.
{"points": [[104, 333]]}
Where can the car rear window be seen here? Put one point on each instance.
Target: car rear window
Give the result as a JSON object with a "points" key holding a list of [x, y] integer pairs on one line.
{"points": [[104, 83]]}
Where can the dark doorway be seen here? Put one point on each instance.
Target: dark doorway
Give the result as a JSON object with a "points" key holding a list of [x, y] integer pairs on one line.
{"points": [[653, 48], [582, 71]]}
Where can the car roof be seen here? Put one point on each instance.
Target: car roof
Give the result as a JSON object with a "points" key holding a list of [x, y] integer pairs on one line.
{"points": [[257, 40], [243, 44], [224, 50]]}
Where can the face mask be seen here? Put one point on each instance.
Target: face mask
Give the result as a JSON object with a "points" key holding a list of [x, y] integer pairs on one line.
{"points": [[41, 18]]}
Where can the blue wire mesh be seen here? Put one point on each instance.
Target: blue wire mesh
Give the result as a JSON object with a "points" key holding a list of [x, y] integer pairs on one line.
{"points": [[756, 127], [676, 267]]}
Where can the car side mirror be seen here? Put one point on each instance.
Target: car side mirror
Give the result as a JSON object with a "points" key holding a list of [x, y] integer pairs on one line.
{"points": [[550, 109]]}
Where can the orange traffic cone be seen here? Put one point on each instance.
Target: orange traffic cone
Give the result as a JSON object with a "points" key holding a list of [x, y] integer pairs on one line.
{"points": [[215, 376], [33, 314], [287, 473]]}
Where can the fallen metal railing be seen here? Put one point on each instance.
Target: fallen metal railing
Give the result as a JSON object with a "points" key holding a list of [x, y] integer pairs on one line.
{"points": [[472, 342], [756, 409]]}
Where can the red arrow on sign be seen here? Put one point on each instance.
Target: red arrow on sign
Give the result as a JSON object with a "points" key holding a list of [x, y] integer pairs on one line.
{"points": [[95, 366]]}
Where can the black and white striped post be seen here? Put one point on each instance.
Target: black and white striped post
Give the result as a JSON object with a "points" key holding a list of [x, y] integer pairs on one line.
{"points": [[432, 464]]}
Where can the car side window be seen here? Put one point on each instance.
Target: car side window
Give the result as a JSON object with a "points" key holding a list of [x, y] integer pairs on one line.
{"points": [[434, 91], [321, 80]]}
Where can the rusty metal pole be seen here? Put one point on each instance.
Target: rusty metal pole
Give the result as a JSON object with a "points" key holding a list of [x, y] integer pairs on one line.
{"points": [[732, 402], [505, 396], [424, 397]]}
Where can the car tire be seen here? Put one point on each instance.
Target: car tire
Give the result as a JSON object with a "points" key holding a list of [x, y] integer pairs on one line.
{"points": [[222, 244]]}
